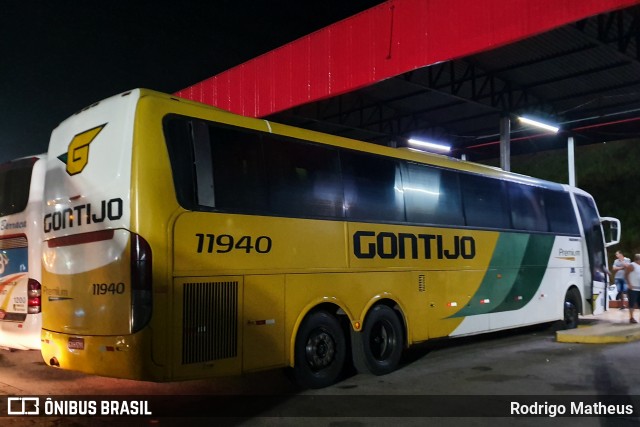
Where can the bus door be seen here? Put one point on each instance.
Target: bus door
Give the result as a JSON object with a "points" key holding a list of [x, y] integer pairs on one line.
{"points": [[596, 276]]}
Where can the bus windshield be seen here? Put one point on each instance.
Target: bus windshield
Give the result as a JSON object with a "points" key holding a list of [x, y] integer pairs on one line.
{"points": [[15, 180]]}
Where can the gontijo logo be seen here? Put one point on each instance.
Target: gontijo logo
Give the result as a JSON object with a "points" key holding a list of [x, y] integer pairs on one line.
{"points": [[77, 155]]}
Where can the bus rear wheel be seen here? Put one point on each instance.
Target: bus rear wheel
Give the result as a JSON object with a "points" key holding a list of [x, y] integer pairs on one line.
{"points": [[320, 351], [378, 348]]}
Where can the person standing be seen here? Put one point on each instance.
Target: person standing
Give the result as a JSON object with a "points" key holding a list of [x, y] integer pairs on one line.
{"points": [[632, 274], [621, 284]]}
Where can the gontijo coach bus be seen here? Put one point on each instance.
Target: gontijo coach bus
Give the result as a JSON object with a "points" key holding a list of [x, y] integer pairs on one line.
{"points": [[182, 241], [21, 189]]}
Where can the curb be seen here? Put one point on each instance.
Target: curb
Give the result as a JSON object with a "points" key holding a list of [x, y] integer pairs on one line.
{"points": [[601, 333]]}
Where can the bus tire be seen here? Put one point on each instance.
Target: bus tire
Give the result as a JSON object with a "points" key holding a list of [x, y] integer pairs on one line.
{"points": [[571, 309], [377, 349], [320, 351]]}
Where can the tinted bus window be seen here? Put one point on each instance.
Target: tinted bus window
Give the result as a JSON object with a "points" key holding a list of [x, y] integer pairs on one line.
{"points": [[179, 138], [560, 213], [304, 179], [527, 207], [233, 169], [432, 195], [15, 181], [216, 166], [372, 187], [239, 175], [484, 201]]}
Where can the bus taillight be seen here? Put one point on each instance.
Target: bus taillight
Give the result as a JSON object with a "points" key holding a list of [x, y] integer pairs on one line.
{"points": [[141, 301], [34, 303]]}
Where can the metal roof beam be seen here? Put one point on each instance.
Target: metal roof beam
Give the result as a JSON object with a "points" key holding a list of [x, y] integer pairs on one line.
{"points": [[580, 73], [478, 86], [620, 27], [618, 108], [583, 94]]}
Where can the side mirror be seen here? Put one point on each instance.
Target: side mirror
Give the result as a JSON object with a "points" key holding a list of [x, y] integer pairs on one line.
{"points": [[612, 230]]}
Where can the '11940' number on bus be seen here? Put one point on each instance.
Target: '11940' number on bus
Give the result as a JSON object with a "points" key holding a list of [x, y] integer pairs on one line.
{"points": [[225, 243], [108, 288]]}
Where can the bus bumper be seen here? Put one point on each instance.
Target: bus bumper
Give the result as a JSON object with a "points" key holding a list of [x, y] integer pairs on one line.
{"points": [[109, 356]]}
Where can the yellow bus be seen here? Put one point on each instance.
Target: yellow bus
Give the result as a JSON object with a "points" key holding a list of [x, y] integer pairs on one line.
{"points": [[182, 241], [21, 189]]}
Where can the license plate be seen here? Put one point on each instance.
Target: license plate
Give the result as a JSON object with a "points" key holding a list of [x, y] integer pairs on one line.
{"points": [[75, 344]]}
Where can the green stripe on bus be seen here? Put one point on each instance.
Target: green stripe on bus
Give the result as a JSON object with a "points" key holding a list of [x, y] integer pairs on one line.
{"points": [[514, 274], [530, 274]]}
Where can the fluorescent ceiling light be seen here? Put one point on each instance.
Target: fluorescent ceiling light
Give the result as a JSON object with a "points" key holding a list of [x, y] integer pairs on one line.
{"points": [[429, 145], [538, 124]]}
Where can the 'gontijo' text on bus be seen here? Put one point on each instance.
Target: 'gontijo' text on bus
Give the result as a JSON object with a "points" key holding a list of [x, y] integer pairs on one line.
{"points": [[62, 219], [387, 245]]}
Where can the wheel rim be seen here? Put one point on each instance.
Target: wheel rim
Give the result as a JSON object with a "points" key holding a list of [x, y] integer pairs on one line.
{"points": [[320, 350], [382, 341]]}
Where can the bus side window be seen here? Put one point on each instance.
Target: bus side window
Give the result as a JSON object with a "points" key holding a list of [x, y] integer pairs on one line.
{"points": [[304, 179], [178, 135], [372, 187], [239, 170], [432, 195], [527, 207], [562, 219], [485, 202], [216, 166], [202, 162]]}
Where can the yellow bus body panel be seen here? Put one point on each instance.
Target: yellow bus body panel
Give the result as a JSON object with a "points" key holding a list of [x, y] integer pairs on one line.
{"points": [[296, 244], [263, 322]]}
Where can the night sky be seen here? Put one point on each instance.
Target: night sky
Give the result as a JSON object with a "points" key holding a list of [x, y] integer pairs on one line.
{"points": [[58, 56]]}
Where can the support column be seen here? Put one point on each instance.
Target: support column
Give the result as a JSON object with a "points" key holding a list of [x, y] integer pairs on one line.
{"points": [[505, 143], [571, 161]]}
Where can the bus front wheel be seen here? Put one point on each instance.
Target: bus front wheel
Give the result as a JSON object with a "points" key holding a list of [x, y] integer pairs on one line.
{"points": [[378, 348], [320, 351], [571, 309]]}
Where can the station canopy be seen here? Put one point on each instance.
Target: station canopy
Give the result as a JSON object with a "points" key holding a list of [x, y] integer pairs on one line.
{"points": [[449, 71]]}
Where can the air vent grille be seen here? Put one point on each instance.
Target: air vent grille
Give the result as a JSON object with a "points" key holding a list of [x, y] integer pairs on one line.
{"points": [[422, 286], [210, 321]]}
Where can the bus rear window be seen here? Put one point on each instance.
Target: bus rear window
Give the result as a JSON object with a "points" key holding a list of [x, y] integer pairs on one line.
{"points": [[15, 180]]}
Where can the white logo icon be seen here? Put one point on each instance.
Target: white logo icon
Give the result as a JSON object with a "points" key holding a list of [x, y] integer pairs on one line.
{"points": [[23, 406]]}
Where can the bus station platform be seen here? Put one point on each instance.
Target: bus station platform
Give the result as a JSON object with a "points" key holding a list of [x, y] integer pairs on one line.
{"points": [[610, 327]]}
